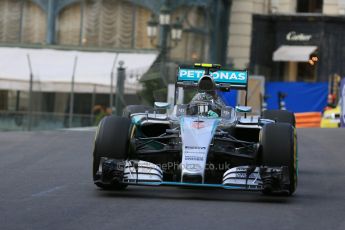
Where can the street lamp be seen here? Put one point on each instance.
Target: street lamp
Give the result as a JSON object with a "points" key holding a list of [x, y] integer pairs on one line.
{"points": [[164, 20], [164, 27], [164, 16], [152, 27], [176, 30]]}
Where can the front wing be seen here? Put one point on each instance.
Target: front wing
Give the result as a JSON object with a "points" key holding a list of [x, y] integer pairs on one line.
{"points": [[147, 174]]}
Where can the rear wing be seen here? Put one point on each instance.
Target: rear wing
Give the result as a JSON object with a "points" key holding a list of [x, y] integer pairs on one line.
{"points": [[224, 79]]}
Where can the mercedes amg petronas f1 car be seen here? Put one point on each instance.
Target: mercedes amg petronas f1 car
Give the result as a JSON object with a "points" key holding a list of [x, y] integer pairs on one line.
{"points": [[203, 143]]}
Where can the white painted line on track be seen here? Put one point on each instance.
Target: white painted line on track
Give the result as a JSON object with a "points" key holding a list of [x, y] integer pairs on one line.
{"points": [[45, 192]]}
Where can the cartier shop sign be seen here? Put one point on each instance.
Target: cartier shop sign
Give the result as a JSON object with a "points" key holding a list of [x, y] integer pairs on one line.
{"points": [[295, 36]]}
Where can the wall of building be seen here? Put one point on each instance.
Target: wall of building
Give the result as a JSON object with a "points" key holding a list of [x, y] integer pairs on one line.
{"points": [[240, 35], [283, 6], [119, 24], [193, 46], [22, 21], [241, 25], [271, 34], [334, 7], [107, 23], [240, 32]]}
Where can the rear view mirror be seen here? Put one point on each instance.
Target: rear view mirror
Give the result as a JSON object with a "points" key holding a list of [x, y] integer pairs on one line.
{"points": [[181, 110], [243, 109], [162, 105], [228, 113]]}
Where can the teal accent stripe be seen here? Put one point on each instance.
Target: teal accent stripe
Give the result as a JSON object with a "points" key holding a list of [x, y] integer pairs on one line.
{"points": [[136, 120], [181, 123], [167, 183]]}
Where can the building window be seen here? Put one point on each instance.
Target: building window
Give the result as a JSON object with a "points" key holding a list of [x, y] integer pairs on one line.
{"points": [[22, 21], [309, 6]]}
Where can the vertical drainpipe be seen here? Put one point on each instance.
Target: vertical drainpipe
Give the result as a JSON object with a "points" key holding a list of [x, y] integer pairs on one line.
{"points": [[93, 102], [120, 88], [50, 36], [71, 99], [30, 105]]}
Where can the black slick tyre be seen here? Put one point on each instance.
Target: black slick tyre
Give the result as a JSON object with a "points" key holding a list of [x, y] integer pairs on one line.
{"points": [[279, 148], [111, 141], [281, 116]]}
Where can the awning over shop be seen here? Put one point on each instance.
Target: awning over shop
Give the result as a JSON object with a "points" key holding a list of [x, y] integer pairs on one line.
{"points": [[53, 69], [293, 53]]}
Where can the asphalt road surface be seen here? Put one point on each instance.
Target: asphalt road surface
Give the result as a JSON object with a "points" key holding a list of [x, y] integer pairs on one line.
{"points": [[46, 184]]}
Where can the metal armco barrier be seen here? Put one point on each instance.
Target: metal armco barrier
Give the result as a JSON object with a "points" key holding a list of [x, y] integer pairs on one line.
{"points": [[308, 120]]}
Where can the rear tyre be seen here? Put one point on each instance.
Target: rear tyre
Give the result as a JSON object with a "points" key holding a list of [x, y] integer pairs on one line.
{"points": [[279, 148], [111, 141], [281, 116], [130, 109]]}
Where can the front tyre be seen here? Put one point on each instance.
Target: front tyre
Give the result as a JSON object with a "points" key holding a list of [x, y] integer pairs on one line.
{"points": [[111, 141], [279, 148], [280, 116]]}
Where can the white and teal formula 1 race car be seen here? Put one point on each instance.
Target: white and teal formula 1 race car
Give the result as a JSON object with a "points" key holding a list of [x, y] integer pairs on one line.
{"points": [[203, 143]]}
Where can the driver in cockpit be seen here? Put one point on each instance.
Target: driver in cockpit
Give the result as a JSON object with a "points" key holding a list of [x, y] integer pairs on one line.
{"points": [[206, 104]]}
